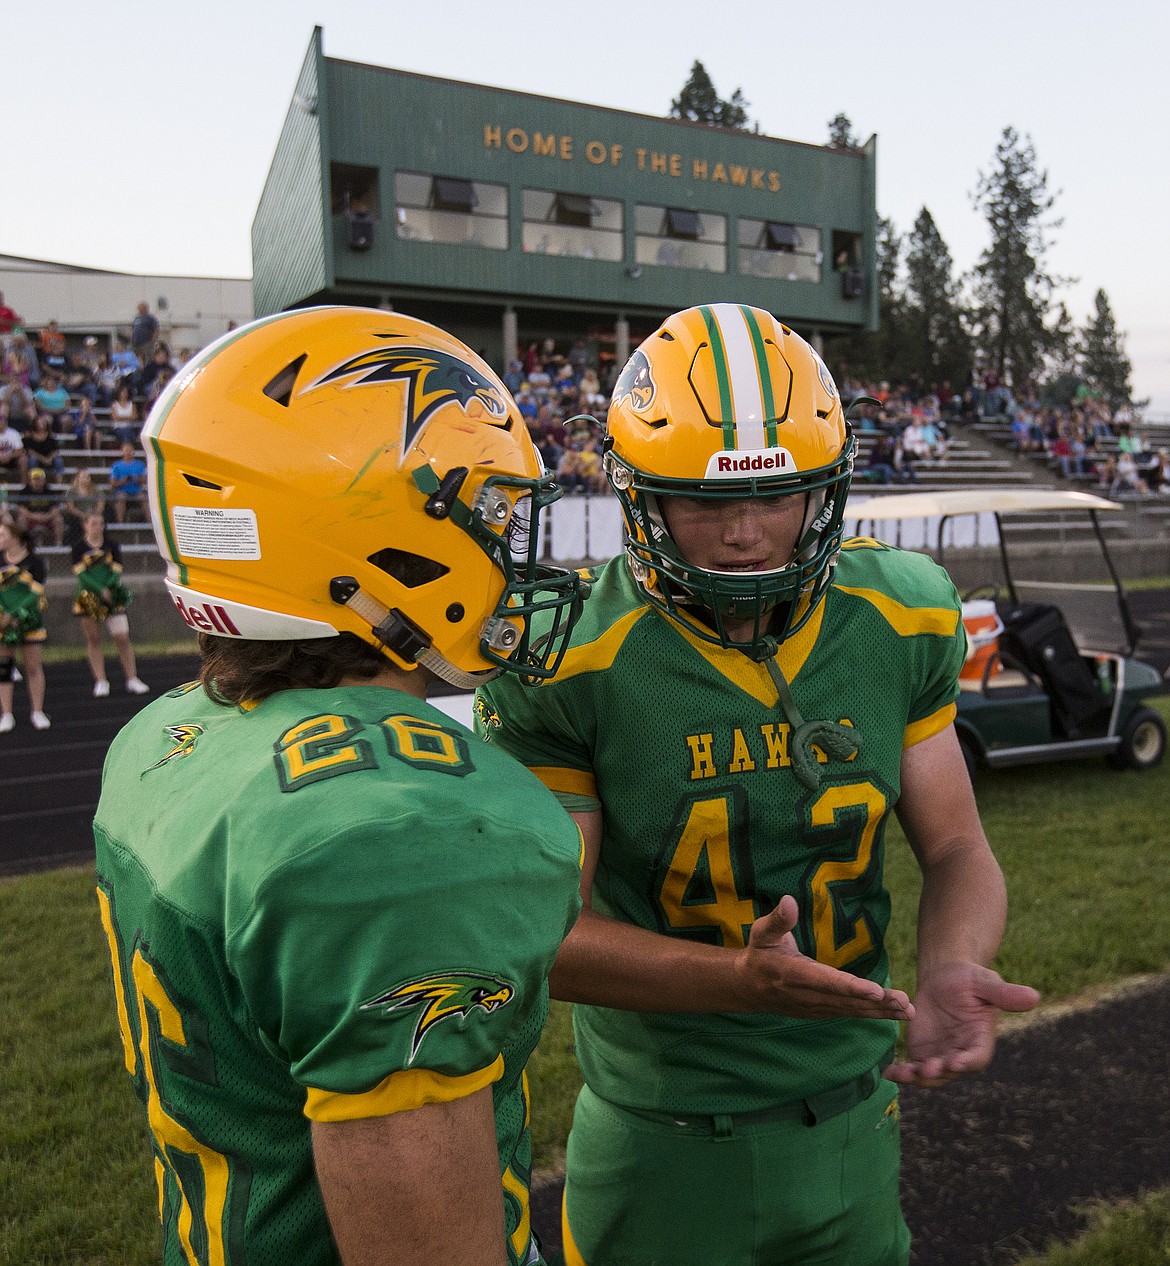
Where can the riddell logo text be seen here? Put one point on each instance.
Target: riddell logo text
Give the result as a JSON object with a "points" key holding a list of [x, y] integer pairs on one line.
{"points": [[206, 618], [761, 461]]}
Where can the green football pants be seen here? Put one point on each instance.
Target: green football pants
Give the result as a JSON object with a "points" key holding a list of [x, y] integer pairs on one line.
{"points": [[643, 1190]]}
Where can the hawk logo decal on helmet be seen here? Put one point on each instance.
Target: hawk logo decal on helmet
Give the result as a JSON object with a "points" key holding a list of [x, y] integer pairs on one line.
{"points": [[433, 378], [636, 384], [441, 997]]}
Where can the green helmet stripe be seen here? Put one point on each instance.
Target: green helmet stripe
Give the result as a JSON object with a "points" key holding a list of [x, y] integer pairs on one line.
{"points": [[766, 392], [722, 376]]}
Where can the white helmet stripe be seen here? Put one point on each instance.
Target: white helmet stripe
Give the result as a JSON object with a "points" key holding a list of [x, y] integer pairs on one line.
{"points": [[747, 399]]}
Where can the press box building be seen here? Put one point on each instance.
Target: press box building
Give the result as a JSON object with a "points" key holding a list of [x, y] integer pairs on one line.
{"points": [[508, 218]]}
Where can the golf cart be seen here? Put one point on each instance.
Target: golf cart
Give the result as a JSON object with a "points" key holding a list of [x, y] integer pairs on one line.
{"points": [[1049, 674]]}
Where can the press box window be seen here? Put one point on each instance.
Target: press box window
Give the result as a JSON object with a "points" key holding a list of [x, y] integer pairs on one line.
{"points": [[572, 225], [677, 237], [450, 210], [784, 252], [353, 190]]}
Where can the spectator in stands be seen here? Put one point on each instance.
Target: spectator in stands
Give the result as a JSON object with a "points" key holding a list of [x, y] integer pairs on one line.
{"points": [[87, 431], [52, 349], [513, 376], [124, 416], [18, 399], [158, 364], [42, 449], [38, 507], [101, 596], [1158, 476], [52, 398], [8, 318], [123, 361], [914, 442], [82, 499], [13, 459], [81, 379], [22, 605], [21, 359], [143, 333], [886, 463], [1127, 478], [128, 480]]}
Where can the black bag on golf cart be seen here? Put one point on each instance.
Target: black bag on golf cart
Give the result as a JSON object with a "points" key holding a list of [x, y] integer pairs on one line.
{"points": [[1037, 637]]}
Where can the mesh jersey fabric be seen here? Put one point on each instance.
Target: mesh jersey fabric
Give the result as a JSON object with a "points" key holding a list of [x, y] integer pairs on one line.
{"points": [[684, 748], [334, 904]]}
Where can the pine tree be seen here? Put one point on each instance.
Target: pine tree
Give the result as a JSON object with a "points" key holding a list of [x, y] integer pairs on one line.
{"points": [[841, 133], [698, 102], [1012, 289], [936, 343], [1104, 364]]}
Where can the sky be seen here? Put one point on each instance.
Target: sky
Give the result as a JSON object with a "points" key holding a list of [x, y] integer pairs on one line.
{"points": [[138, 135]]}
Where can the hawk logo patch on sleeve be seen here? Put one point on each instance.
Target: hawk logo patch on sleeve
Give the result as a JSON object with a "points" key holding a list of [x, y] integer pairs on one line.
{"points": [[183, 739], [438, 998], [489, 718]]}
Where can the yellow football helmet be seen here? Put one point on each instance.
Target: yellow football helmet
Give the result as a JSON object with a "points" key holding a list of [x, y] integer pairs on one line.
{"points": [[336, 470], [723, 402]]}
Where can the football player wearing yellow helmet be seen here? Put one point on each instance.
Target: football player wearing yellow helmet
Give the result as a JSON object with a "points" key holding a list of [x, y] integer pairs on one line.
{"points": [[745, 701], [331, 916]]}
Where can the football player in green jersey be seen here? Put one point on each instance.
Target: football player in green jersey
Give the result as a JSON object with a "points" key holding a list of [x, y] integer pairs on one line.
{"points": [[331, 916], [746, 699]]}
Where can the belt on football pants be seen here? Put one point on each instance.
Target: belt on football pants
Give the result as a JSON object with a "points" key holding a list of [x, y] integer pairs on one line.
{"points": [[812, 1111]]}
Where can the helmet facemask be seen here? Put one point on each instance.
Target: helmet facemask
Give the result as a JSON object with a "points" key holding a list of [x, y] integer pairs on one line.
{"points": [[778, 602]]}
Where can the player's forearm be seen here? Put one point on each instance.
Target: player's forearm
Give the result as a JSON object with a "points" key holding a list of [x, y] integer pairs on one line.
{"points": [[963, 909], [613, 964]]}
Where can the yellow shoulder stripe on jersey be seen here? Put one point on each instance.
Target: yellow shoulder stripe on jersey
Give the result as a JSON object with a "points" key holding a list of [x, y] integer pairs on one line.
{"points": [[596, 656], [864, 542], [752, 678], [401, 1091], [928, 727], [574, 782], [908, 621]]}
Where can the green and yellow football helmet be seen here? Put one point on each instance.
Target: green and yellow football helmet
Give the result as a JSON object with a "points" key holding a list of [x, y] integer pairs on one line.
{"points": [[723, 402], [335, 470]]}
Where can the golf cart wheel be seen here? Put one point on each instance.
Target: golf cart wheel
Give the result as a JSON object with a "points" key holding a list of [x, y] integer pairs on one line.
{"points": [[1143, 741]]}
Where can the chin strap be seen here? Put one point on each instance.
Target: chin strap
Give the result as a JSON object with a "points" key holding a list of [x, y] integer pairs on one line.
{"points": [[838, 742], [403, 637]]}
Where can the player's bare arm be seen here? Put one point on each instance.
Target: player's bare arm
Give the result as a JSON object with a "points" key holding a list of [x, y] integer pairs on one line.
{"points": [[961, 919], [415, 1187], [610, 963]]}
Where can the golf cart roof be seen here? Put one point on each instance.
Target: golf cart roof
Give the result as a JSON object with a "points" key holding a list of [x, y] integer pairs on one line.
{"points": [[929, 505]]}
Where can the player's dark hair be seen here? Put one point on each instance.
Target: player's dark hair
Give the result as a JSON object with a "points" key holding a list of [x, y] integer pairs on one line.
{"points": [[238, 671]]}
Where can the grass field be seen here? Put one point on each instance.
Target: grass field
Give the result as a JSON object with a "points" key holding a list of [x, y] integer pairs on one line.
{"points": [[1087, 859]]}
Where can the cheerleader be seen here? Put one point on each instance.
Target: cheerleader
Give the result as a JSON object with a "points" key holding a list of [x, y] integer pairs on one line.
{"points": [[22, 607], [101, 595]]}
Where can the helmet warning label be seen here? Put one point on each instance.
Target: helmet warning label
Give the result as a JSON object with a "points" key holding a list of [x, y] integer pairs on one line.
{"points": [[741, 463], [215, 533]]}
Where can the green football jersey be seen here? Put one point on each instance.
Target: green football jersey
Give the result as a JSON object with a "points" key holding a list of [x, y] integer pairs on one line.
{"points": [[332, 905], [686, 750]]}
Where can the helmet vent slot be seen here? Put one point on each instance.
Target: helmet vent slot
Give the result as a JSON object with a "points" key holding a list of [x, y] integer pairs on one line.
{"points": [[196, 482], [411, 570], [823, 413], [666, 336], [281, 387]]}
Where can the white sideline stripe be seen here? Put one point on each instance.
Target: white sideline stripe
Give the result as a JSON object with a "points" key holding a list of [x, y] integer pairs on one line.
{"points": [[747, 402]]}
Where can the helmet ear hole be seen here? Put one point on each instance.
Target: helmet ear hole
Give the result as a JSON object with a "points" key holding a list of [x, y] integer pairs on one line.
{"points": [[411, 570], [281, 387]]}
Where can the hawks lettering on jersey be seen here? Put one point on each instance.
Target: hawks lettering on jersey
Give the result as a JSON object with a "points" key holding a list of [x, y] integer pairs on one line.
{"points": [[706, 822]]}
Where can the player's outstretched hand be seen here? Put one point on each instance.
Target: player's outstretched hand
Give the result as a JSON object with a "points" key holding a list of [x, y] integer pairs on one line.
{"points": [[953, 1030], [775, 976]]}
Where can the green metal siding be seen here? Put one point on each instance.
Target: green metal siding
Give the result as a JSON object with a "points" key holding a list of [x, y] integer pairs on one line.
{"points": [[395, 121], [290, 248]]}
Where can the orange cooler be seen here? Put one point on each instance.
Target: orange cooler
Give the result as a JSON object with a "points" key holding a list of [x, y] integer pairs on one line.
{"points": [[983, 625]]}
